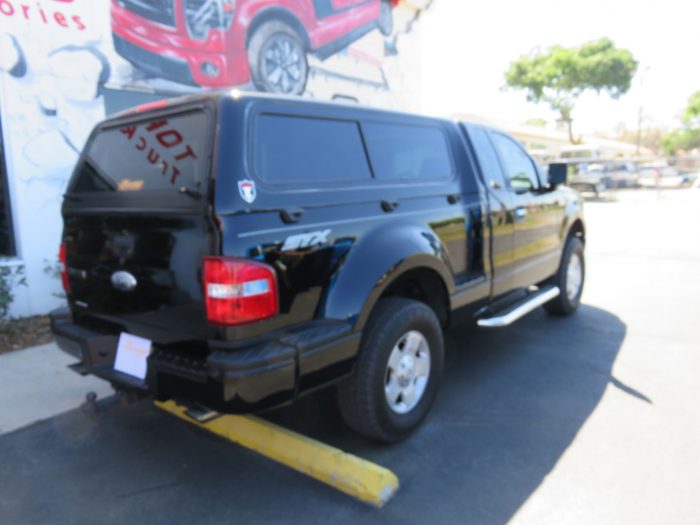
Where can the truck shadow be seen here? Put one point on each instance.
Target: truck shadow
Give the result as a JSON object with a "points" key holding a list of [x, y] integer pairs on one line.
{"points": [[511, 403]]}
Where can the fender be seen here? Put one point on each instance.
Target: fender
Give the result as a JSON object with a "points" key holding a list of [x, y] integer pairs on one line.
{"points": [[254, 14], [572, 212], [382, 256]]}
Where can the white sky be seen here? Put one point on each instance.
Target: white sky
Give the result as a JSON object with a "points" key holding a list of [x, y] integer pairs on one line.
{"points": [[467, 46]]}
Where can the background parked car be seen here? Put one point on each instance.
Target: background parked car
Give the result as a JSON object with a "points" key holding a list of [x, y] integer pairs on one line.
{"points": [[584, 179], [222, 43], [661, 176], [618, 174]]}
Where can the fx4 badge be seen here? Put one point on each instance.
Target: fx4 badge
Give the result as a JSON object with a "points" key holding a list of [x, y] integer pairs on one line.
{"points": [[246, 188], [305, 240]]}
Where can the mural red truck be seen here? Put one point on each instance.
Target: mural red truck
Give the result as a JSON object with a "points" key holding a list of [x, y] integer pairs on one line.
{"points": [[222, 43]]}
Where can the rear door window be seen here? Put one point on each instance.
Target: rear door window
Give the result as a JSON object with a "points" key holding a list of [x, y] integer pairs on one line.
{"points": [[298, 150], [163, 153], [407, 152]]}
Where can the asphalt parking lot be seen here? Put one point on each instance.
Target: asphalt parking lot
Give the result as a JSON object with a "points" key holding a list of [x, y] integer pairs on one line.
{"points": [[589, 419]]}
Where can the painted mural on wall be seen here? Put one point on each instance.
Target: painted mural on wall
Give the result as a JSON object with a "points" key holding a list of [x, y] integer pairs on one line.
{"points": [[220, 43], [66, 64]]}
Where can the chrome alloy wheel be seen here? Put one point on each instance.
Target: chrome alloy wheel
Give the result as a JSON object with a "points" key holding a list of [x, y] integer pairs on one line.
{"points": [[407, 372], [283, 64], [574, 277]]}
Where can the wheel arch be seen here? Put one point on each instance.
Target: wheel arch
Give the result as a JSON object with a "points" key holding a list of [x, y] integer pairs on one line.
{"points": [[404, 261], [577, 229], [422, 284], [278, 14]]}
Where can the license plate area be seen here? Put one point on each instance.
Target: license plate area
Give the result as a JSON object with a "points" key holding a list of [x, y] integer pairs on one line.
{"points": [[132, 355]]}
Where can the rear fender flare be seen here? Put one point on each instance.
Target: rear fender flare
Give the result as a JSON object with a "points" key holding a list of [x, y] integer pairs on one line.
{"points": [[381, 257]]}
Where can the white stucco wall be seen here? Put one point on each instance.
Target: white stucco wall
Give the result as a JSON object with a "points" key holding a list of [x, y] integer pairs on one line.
{"points": [[40, 144]]}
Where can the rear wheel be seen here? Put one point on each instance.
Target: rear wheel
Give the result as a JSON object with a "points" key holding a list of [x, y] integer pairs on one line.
{"points": [[569, 278], [277, 59], [398, 371]]}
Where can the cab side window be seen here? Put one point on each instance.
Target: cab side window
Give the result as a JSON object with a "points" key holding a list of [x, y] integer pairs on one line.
{"points": [[518, 166]]}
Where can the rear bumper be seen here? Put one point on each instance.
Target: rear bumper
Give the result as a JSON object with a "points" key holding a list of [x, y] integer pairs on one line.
{"points": [[229, 380]]}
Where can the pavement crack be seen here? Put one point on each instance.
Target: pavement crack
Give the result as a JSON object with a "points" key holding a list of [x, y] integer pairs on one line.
{"points": [[146, 490]]}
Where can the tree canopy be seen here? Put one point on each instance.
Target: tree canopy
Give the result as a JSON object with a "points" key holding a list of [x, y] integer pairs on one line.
{"points": [[691, 115], [686, 137], [559, 75]]}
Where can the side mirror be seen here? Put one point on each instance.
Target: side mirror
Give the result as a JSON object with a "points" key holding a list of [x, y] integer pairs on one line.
{"points": [[557, 174]]}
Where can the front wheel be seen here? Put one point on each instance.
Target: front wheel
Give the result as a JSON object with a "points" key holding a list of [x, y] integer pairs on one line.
{"points": [[277, 59], [398, 371], [569, 278]]}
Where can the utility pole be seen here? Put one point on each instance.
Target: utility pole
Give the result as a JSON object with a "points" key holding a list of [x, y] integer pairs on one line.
{"points": [[640, 115]]}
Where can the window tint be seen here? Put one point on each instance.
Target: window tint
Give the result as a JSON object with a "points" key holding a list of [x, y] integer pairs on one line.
{"points": [[292, 150], [159, 154], [407, 152], [488, 160], [518, 166]]}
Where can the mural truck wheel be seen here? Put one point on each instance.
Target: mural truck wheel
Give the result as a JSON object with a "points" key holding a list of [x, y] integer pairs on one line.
{"points": [[277, 59], [386, 18]]}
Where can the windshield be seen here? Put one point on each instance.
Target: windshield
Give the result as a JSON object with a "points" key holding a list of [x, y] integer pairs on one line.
{"points": [[157, 154]]}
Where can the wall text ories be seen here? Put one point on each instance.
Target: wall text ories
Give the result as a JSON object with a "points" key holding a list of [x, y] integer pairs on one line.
{"points": [[55, 13]]}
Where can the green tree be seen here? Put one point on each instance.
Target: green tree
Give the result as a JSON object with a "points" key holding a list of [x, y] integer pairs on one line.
{"points": [[559, 75], [686, 137], [537, 122], [691, 115]]}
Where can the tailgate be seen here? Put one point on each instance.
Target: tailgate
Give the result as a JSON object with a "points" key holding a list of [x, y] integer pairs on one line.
{"points": [[137, 224]]}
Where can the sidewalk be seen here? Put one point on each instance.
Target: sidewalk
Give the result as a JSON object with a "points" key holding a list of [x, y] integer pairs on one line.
{"points": [[35, 384]]}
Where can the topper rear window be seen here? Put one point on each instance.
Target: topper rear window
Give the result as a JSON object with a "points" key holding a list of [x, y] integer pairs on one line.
{"points": [[169, 152]]}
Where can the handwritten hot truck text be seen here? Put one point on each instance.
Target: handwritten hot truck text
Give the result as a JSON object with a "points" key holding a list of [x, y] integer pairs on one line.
{"points": [[158, 136]]}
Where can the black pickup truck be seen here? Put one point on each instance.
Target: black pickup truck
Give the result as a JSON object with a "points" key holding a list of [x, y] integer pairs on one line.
{"points": [[235, 252]]}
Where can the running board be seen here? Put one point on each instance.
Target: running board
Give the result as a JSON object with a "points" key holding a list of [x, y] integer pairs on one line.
{"points": [[512, 314]]}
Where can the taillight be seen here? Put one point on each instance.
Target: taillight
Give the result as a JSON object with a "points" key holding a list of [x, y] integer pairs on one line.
{"points": [[63, 264], [238, 291]]}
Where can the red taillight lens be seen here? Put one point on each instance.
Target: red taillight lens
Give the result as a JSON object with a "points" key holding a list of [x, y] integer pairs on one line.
{"points": [[238, 291], [63, 263]]}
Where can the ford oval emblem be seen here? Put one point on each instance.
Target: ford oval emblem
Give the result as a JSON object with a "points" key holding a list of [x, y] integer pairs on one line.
{"points": [[124, 281]]}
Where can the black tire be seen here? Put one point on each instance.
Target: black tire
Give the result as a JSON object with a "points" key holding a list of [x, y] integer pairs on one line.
{"points": [[277, 47], [385, 23], [563, 304], [362, 399]]}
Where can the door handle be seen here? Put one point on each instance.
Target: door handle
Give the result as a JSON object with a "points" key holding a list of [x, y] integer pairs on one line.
{"points": [[292, 215], [389, 206], [454, 198]]}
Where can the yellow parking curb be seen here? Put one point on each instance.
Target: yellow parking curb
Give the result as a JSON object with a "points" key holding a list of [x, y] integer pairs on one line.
{"points": [[355, 476]]}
